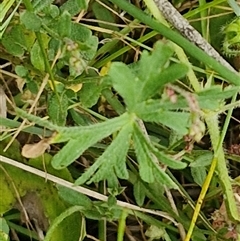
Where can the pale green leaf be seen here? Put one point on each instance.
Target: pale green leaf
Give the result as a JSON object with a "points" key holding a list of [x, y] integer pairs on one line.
{"points": [[109, 126], [37, 58], [16, 40], [144, 157], [112, 160], [80, 33], [199, 175], [125, 83], [139, 192], [4, 230], [81, 138], [177, 121], [150, 167]]}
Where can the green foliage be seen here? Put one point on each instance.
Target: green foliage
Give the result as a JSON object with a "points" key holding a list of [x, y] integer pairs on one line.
{"points": [[45, 193], [138, 121], [58, 113], [31, 21], [4, 230]]}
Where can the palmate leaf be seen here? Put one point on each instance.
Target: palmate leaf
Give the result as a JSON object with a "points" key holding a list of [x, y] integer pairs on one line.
{"points": [[144, 157], [147, 76], [112, 161], [165, 159], [149, 169], [177, 121], [153, 76], [125, 83], [81, 138]]}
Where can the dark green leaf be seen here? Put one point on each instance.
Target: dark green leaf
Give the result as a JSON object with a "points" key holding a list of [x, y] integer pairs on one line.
{"points": [[74, 6], [36, 57], [57, 108], [64, 24], [39, 5], [89, 94], [105, 15], [31, 21], [80, 33], [139, 192], [74, 198]]}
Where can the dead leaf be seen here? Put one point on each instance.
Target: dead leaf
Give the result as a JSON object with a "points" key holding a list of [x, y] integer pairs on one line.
{"points": [[35, 150]]}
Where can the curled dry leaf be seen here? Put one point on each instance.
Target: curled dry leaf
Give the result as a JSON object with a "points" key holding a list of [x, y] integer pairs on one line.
{"points": [[35, 150]]}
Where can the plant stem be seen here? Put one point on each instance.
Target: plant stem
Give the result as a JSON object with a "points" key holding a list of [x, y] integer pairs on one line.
{"points": [[122, 225], [230, 75]]}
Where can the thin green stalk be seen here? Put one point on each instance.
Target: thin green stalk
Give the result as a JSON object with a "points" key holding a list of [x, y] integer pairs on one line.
{"points": [[192, 49], [216, 139], [204, 21], [122, 225]]}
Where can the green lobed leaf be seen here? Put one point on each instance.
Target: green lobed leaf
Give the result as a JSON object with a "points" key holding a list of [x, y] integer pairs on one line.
{"points": [[109, 126], [57, 111], [150, 67], [81, 138], [112, 160], [161, 156], [177, 121], [37, 120], [211, 98], [125, 83], [144, 157], [143, 150], [31, 21]]}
